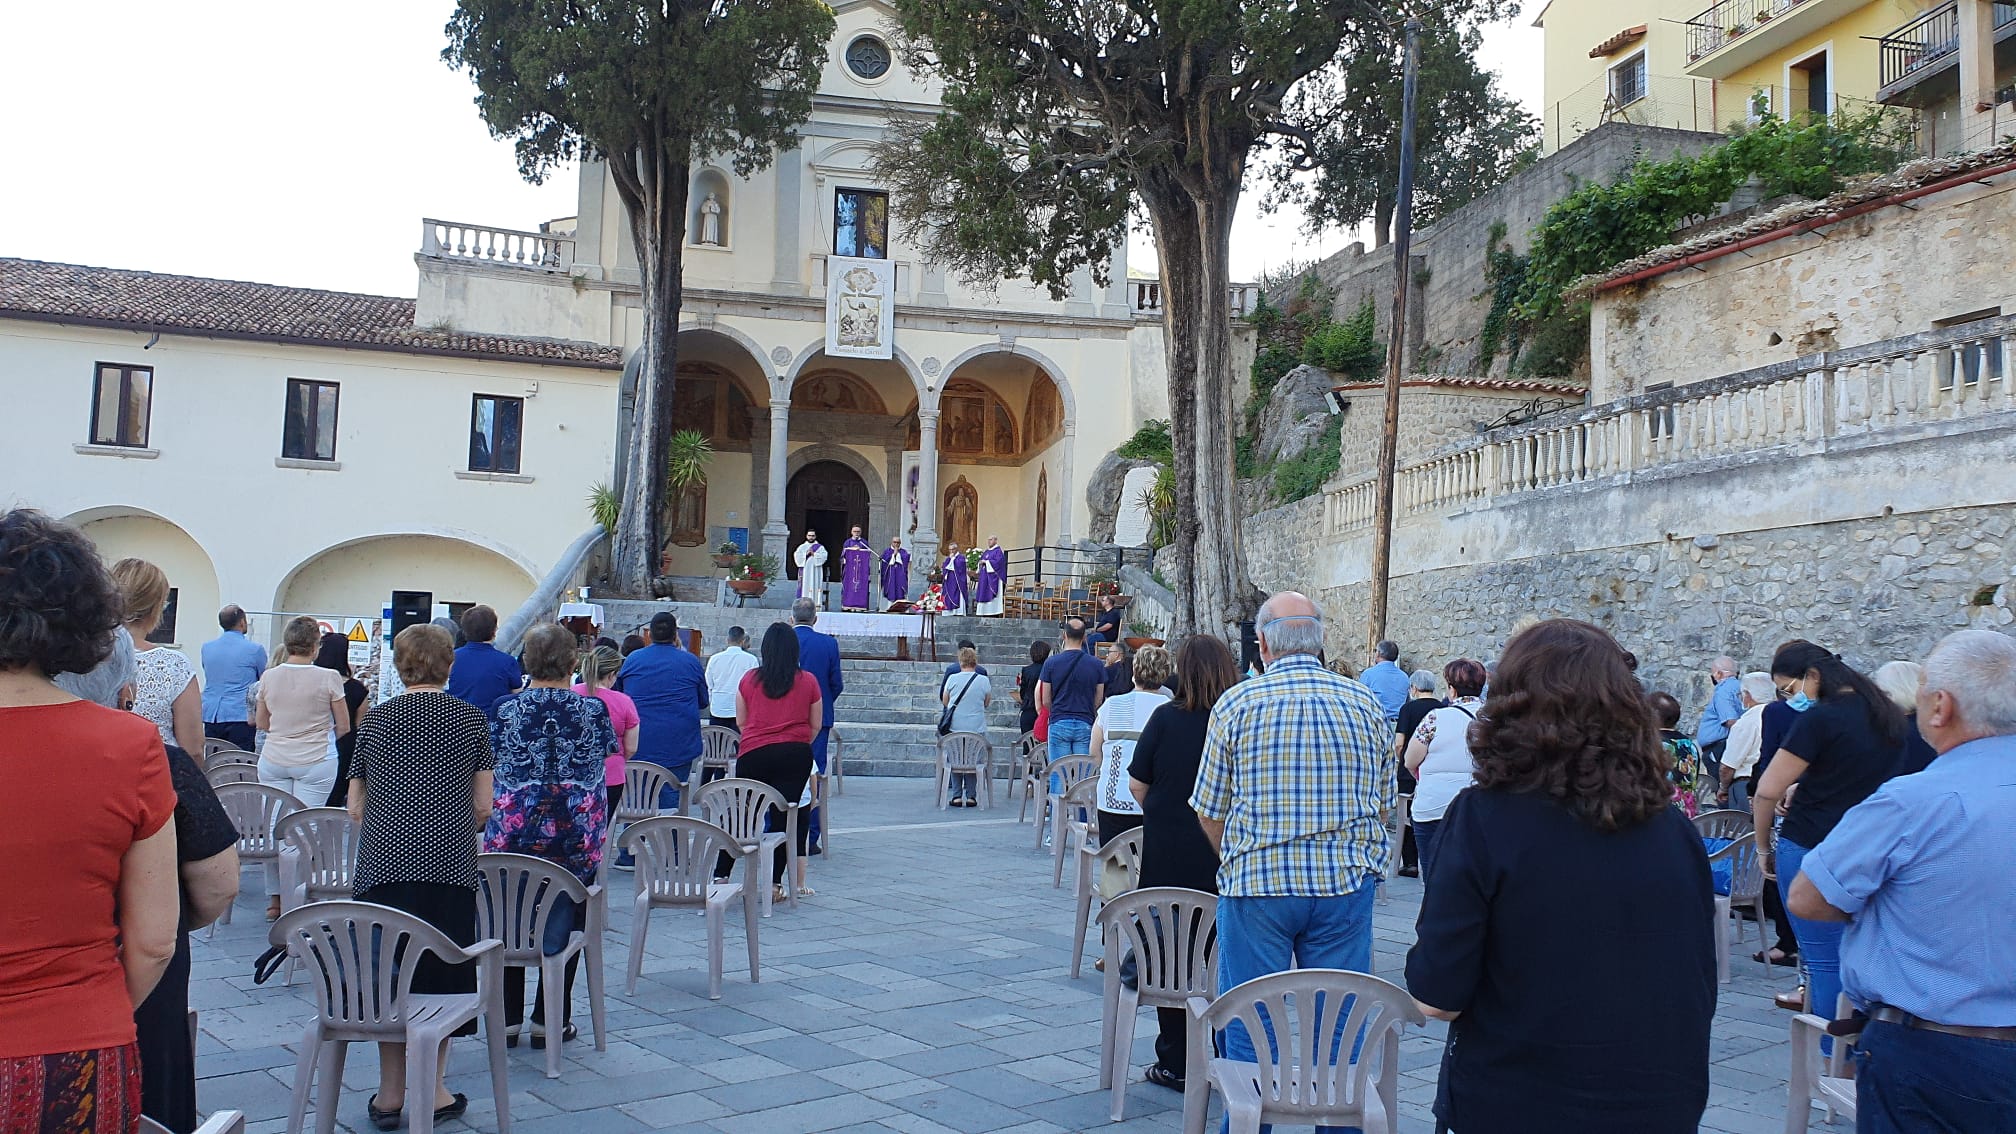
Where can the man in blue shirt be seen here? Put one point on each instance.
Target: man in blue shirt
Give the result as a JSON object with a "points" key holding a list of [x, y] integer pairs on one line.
{"points": [[1725, 707], [1073, 686], [1920, 872], [232, 663], [483, 674], [818, 655], [1388, 681], [669, 686]]}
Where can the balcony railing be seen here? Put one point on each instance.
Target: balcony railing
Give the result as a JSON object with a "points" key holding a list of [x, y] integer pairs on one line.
{"points": [[1932, 37], [1803, 405], [504, 247], [1726, 22], [1147, 298]]}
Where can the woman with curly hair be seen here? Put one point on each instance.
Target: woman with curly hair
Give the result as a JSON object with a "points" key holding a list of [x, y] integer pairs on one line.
{"points": [[1569, 934], [88, 925]]}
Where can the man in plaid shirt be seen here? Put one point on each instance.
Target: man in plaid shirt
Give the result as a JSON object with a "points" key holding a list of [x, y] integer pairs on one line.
{"points": [[1297, 772]]}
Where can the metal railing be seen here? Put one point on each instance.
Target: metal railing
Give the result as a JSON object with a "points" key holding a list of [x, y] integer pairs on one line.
{"points": [[504, 247], [1802, 405], [1930, 38], [1728, 21], [1674, 103]]}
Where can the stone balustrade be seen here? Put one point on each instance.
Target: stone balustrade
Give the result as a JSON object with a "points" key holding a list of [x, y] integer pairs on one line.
{"points": [[504, 247], [1147, 298], [1877, 392]]}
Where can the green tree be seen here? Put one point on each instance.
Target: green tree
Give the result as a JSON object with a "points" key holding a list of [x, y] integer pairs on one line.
{"points": [[649, 86], [1469, 135], [1059, 115]]}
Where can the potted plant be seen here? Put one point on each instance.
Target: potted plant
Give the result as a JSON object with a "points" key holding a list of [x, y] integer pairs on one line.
{"points": [[752, 574], [1144, 632], [727, 556]]}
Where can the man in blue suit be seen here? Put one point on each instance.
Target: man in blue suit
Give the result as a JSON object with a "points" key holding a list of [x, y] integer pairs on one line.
{"points": [[818, 655]]}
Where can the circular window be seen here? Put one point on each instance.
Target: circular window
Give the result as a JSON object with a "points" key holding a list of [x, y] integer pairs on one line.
{"points": [[868, 57]]}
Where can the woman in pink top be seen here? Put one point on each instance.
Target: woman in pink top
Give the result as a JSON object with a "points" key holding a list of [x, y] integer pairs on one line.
{"points": [[597, 667], [778, 709]]}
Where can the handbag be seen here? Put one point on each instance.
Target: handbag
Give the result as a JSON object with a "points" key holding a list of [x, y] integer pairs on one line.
{"points": [[945, 715]]}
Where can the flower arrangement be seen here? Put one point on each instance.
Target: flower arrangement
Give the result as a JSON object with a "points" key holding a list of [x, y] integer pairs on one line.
{"points": [[754, 568], [973, 561]]}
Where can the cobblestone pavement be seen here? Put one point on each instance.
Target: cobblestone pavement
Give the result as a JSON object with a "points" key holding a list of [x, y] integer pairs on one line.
{"points": [[923, 989]]}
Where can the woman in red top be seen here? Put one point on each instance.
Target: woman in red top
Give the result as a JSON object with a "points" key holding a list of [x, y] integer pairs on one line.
{"points": [[778, 709], [88, 923]]}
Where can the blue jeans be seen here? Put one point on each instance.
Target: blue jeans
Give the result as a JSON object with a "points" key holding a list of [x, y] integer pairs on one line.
{"points": [[1909, 1081], [1068, 738], [566, 912], [1819, 941], [1259, 936], [1424, 847]]}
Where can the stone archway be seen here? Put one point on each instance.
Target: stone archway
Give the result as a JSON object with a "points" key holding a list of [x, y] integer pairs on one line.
{"points": [[828, 497]]}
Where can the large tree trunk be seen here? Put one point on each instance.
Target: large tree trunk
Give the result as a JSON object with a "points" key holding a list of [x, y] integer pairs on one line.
{"points": [[653, 188], [1382, 222], [1193, 242]]}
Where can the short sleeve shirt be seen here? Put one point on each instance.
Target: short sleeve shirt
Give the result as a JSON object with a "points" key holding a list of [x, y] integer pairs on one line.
{"points": [[1128, 712], [1075, 679], [784, 720], [622, 718], [61, 986], [418, 755], [1846, 761], [552, 801], [970, 692], [300, 705]]}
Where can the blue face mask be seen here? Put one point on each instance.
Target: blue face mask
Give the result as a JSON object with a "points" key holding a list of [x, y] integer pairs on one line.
{"points": [[1799, 702]]}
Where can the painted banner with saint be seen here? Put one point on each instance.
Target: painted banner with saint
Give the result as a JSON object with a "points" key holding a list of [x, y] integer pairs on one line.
{"points": [[860, 307]]}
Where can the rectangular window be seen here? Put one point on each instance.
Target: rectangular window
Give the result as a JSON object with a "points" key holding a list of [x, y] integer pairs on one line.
{"points": [[164, 634], [861, 223], [495, 425], [122, 400], [1627, 81], [309, 431]]}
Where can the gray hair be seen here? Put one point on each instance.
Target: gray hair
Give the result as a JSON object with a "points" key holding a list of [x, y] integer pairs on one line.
{"points": [[1760, 687], [1294, 633], [1422, 680], [804, 612], [1977, 668], [1900, 681], [103, 683], [1389, 651]]}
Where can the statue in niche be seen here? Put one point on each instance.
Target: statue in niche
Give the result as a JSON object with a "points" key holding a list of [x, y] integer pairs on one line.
{"points": [[689, 516], [1042, 505], [962, 514], [710, 220]]}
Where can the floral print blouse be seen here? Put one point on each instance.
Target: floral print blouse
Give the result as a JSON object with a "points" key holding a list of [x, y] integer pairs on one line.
{"points": [[551, 802]]}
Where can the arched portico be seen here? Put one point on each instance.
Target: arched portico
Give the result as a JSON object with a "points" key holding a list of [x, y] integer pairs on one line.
{"points": [[354, 577], [121, 531]]}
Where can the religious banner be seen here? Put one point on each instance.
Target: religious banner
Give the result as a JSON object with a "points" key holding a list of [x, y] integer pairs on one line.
{"points": [[860, 307]]}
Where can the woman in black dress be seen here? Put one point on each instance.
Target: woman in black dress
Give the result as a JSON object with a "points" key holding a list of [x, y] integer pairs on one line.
{"points": [[1174, 851], [421, 786], [1570, 804], [334, 653]]}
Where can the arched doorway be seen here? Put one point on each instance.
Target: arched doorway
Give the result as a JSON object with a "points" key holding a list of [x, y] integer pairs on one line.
{"points": [[829, 498]]}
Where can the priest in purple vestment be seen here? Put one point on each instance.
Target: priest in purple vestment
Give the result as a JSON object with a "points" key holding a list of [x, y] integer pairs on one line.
{"points": [[895, 573], [992, 580], [857, 560], [954, 568]]}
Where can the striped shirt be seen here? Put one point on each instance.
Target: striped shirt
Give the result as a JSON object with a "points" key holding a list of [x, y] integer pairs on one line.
{"points": [[1298, 766]]}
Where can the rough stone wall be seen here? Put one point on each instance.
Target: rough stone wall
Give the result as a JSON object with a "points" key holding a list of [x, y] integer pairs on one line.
{"points": [[1874, 590], [1282, 545], [1882, 275], [1451, 297]]}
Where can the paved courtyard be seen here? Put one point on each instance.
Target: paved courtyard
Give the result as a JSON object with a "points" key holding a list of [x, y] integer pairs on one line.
{"points": [[924, 989]]}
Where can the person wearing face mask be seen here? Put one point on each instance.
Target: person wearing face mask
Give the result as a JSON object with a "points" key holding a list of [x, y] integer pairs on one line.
{"points": [[1843, 746]]}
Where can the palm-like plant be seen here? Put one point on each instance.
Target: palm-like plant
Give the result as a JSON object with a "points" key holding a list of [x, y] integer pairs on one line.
{"points": [[604, 505], [686, 461], [1159, 501]]}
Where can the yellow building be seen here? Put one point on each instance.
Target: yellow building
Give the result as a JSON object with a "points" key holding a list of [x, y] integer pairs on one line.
{"points": [[1693, 65]]}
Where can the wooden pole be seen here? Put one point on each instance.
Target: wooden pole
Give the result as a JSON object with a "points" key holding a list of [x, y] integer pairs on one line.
{"points": [[1396, 353]]}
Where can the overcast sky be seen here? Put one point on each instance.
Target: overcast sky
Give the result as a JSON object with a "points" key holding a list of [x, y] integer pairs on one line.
{"points": [[301, 144]]}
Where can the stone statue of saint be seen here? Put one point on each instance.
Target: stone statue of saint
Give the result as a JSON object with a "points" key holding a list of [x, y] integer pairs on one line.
{"points": [[710, 220]]}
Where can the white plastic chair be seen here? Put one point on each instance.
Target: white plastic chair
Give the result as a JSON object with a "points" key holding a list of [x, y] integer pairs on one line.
{"points": [[675, 870], [1306, 1075], [222, 1122], [1824, 1078], [514, 895], [1122, 850], [738, 806], [643, 783], [965, 754], [718, 748], [1023, 771], [1068, 770], [1173, 933], [318, 860], [1746, 891], [255, 811], [215, 750], [361, 958], [1725, 824], [833, 767], [1072, 817], [231, 772]]}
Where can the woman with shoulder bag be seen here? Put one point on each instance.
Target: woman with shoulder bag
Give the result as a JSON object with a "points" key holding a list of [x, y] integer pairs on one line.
{"points": [[965, 696]]}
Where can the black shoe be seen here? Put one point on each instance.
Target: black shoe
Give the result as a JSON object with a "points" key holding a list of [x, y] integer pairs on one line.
{"points": [[452, 1110], [1410, 872], [382, 1119], [568, 1033], [1163, 1077]]}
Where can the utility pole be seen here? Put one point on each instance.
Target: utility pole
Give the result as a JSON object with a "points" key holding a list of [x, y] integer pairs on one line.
{"points": [[1396, 353]]}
